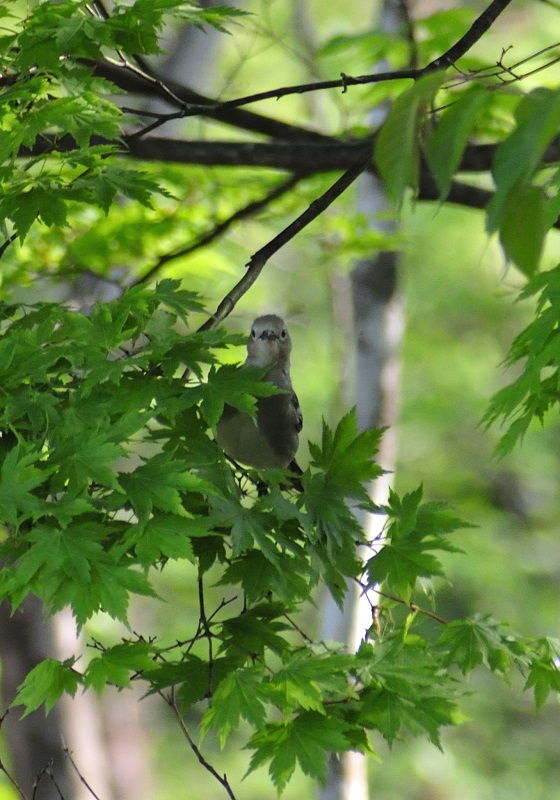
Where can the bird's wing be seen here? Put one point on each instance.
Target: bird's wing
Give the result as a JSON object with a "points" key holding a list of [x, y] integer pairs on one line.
{"points": [[298, 413]]}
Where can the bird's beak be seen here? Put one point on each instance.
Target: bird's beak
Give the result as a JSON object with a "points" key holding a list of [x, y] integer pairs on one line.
{"points": [[268, 335]]}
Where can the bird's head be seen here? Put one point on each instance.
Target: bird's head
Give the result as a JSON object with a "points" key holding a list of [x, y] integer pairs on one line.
{"points": [[269, 342]]}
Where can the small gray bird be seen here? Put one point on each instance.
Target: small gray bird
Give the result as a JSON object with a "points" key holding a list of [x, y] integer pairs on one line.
{"points": [[272, 439]]}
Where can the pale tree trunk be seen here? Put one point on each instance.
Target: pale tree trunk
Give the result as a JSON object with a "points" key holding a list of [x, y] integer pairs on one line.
{"points": [[107, 736], [34, 743], [378, 323]]}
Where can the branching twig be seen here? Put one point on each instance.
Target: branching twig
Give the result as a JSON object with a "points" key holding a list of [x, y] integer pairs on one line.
{"points": [[275, 94], [125, 64], [447, 59], [49, 773], [260, 258], [479, 27], [240, 118]]}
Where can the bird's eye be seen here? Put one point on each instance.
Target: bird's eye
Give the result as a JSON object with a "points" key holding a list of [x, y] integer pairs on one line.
{"points": [[283, 333], [253, 333]]}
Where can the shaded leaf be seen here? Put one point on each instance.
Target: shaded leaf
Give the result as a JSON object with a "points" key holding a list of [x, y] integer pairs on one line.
{"points": [[397, 148]]}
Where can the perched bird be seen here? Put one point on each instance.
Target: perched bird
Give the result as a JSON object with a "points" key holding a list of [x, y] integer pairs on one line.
{"points": [[272, 439]]}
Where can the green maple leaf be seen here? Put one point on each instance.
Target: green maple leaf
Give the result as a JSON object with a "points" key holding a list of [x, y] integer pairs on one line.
{"points": [[65, 508], [86, 456], [544, 674], [108, 322], [191, 678], [346, 457], [292, 689], [167, 536], [158, 483], [287, 577], [180, 300], [307, 740], [480, 640], [42, 558], [108, 590], [414, 531], [116, 664], [78, 546], [383, 709], [46, 683], [255, 630], [306, 680], [199, 677], [410, 696], [234, 385], [247, 525], [237, 695], [544, 677], [401, 564], [17, 480], [429, 715]]}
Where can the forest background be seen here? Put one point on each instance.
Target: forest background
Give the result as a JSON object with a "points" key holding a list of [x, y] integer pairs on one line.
{"points": [[459, 297]]}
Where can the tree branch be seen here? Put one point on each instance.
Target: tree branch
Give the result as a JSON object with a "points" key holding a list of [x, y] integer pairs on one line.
{"points": [[242, 213], [201, 760], [462, 194], [134, 83], [471, 37], [305, 158], [328, 155], [259, 259], [79, 774], [476, 31]]}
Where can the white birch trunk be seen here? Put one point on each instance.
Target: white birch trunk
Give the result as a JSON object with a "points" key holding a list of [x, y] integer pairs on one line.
{"points": [[378, 323]]}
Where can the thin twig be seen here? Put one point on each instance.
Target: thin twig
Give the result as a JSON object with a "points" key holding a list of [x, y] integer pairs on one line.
{"points": [[205, 625], [49, 773], [296, 627], [412, 606], [239, 118], [125, 64], [259, 259], [220, 778], [7, 243], [12, 780], [447, 59], [79, 774], [242, 213], [275, 94]]}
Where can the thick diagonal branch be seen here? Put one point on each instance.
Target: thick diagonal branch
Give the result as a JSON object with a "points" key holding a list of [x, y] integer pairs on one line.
{"points": [[259, 259]]}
